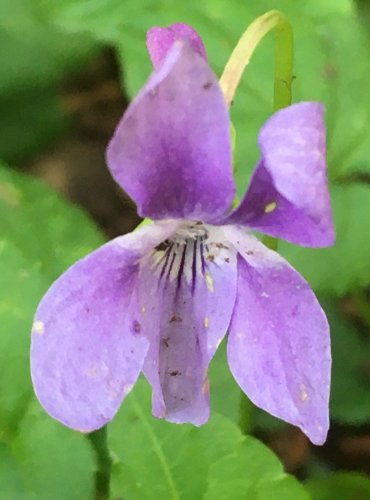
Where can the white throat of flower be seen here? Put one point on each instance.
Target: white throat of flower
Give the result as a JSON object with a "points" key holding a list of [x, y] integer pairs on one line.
{"points": [[190, 253]]}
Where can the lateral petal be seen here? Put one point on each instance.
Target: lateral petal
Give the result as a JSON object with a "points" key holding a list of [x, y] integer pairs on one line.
{"points": [[288, 193], [86, 352], [279, 345]]}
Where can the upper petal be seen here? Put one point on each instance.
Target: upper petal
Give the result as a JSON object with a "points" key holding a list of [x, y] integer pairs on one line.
{"points": [[160, 40], [86, 351], [171, 150], [279, 345], [187, 293], [288, 194]]}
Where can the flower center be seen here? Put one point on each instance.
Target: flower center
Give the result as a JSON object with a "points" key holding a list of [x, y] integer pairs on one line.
{"points": [[190, 230], [186, 256], [183, 255]]}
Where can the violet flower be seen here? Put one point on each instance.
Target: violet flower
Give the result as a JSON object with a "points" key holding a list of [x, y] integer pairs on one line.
{"points": [[160, 300]]}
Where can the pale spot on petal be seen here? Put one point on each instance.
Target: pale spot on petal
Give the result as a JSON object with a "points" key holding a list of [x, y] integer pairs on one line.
{"points": [[206, 322], [91, 371], [127, 388], [270, 207], [303, 395], [38, 327], [205, 387], [209, 282], [113, 388]]}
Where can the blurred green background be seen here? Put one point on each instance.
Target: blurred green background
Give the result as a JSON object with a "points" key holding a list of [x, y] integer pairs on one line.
{"points": [[68, 68]]}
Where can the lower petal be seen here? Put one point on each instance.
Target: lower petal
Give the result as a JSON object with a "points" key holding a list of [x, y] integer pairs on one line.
{"points": [[279, 345], [86, 351], [187, 293]]}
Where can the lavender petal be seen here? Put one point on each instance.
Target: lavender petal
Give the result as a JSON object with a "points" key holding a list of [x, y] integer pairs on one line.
{"points": [[160, 40], [288, 194], [279, 345], [187, 296], [171, 150], [86, 352]]}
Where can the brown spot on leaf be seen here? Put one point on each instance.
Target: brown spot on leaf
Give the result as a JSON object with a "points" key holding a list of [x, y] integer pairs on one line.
{"points": [[329, 72]]}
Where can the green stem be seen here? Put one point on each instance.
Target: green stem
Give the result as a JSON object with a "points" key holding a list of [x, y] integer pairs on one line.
{"points": [[241, 55], [98, 440], [283, 77], [283, 63]]}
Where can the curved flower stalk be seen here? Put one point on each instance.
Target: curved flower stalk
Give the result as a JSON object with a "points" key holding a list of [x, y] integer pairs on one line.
{"points": [[160, 300]]}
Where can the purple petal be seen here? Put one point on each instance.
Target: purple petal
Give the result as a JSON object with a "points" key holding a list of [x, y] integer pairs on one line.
{"points": [[279, 345], [171, 150], [187, 296], [160, 40], [86, 351], [288, 195]]}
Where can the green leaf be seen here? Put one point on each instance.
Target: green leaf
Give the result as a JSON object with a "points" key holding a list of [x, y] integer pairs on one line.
{"points": [[54, 462], [342, 485], [33, 52], [32, 119], [45, 461], [11, 483], [251, 471], [34, 56], [225, 392], [350, 389], [47, 230], [346, 265], [20, 289], [40, 234], [156, 459]]}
